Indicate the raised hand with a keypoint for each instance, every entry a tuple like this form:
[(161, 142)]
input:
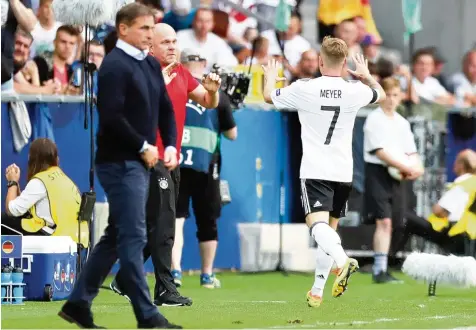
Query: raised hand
[(168, 74), (211, 82), (271, 70), (12, 173), (361, 67)]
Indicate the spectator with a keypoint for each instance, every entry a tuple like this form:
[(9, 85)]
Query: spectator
[(45, 30), (261, 56), (308, 66), (213, 48), (96, 53), (332, 12), (14, 13), (361, 29), (249, 35), (439, 67), (26, 79), (426, 86), (181, 15), (156, 6), (347, 31), (464, 83), (57, 68), (294, 43), (373, 51)]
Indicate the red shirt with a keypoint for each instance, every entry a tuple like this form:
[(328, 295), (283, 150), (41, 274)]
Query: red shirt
[(178, 89), (61, 76)]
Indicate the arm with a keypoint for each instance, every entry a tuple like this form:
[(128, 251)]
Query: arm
[(25, 16), (453, 202), (112, 88), (207, 99), (363, 73), (447, 99), (17, 204), (225, 118), (167, 126)]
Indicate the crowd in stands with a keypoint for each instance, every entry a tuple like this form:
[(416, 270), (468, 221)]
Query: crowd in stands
[(47, 52)]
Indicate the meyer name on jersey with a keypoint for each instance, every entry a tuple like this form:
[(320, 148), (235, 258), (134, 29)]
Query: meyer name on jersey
[(327, 107)]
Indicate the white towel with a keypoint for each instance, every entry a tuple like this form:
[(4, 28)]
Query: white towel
[(21, 124)]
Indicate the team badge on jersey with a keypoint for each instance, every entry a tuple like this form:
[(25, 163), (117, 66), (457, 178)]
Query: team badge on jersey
[(278, 92), (163, 183)]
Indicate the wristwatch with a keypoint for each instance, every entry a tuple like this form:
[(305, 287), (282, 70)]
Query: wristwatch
[(11, 184)]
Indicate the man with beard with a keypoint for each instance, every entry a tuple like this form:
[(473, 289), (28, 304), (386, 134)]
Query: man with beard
[(163, 189), (26, 76)]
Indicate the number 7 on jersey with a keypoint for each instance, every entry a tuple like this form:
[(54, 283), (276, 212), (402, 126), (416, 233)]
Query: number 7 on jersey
[(336, 110)]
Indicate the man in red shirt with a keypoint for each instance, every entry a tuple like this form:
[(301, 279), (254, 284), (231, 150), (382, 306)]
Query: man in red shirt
[(164, 184)]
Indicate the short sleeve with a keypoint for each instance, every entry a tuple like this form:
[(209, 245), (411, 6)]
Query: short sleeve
[(364, 94), (454, 201), (373, 136), (287, 97), (437, 89), (192, 83), (410, 145)]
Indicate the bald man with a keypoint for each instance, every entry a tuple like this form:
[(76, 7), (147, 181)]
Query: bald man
[(443, 226), (163, 189)]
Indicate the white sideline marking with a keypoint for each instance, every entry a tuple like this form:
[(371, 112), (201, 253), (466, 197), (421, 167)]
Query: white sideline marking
[(255, 301), (380, 320)]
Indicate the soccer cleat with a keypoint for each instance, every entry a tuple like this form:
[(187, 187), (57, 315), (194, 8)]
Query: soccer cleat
[(172, 299), (342, 280), (115, 288), (209, 281), (177, 275), (313, 301), (385, 277)]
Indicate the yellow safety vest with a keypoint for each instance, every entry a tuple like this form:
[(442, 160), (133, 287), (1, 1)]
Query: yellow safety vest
[(467, 223), (65, 200)]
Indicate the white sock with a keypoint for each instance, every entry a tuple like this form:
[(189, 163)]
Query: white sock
[(328, 239), (323, 268)]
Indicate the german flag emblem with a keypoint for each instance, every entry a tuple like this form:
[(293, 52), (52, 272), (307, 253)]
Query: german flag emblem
[(7, 247)]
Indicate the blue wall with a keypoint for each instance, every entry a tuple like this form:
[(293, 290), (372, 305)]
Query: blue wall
[(260, 134)]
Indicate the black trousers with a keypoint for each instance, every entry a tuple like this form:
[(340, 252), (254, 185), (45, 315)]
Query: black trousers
[(419, 226), (160, 219), (15, 224)]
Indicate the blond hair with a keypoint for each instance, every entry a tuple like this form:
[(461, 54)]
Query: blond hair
[(333, 51), (467, 158), (390, 83)]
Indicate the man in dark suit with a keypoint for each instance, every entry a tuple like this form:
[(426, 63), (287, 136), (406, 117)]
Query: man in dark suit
[(129, 115)]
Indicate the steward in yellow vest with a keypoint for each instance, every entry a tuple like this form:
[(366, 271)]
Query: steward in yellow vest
[(467, 222), (458, 203), (49, 204)]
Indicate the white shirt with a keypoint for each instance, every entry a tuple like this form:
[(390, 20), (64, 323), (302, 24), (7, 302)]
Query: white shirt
[(214, 49), (293, 48), (393, 134), (430, 89), (33, 194), (327, 107), (462, 85), (454, 200), (43, 39), (131, 50), (275, 3)]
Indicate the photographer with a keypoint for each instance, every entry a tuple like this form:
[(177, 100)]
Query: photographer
[(200, 173)]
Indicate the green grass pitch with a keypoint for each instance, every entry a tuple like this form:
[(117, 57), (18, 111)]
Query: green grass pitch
[(275, 301)]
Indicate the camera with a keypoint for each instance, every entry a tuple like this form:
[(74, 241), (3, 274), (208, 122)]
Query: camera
[(234, 84)]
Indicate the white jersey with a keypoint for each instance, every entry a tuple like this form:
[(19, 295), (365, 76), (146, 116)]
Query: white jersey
[(327, 107)]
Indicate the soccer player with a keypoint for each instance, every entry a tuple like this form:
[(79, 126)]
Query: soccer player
[(327, 107)]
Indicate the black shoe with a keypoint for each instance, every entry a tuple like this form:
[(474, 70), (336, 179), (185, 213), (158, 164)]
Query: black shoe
[(391, 279), (82, 317), (385, 277), (168, 298), (114, 287), (158, 322)]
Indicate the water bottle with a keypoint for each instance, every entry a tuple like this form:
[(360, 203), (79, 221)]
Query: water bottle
[(6, 280), (17, 279)]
